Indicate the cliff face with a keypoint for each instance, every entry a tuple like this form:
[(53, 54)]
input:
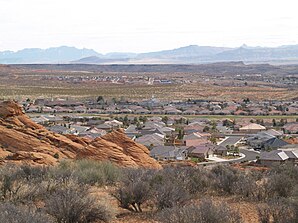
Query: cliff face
[(23, 141)]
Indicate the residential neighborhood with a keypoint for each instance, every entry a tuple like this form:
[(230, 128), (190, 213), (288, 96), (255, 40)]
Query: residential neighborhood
[(182, 130)]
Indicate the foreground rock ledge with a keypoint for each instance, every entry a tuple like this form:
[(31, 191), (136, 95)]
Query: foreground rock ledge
[(23, 141)]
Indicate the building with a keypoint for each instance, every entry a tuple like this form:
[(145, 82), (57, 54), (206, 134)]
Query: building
[(252, 128), (169, 153)]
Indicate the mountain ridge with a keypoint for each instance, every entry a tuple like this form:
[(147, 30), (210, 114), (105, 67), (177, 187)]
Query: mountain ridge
[(191, 54)]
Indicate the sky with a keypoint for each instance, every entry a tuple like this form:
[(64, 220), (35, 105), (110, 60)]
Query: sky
[(146, 25)]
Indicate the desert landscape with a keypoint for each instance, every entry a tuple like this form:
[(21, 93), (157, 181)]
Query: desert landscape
[(221, 81), (148, 111)]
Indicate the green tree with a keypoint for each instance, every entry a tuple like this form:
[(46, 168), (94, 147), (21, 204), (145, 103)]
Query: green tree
[(274, 122), (100, 99)]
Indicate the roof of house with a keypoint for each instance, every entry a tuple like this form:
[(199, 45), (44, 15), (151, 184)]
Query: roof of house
[(291, 127), (292, 154), (275, 155), (273, 132), (275, 143), (201, 149), (132, 129), (80, 128), (167, 151), (154, 139), (192, 136), (220, 148), (253, 126), (59, 129), (231, 140)]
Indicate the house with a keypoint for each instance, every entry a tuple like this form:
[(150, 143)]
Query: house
[(273, 157), (274, 143), (274, 132), (169, 153), (194, 127), (142, 111), (172, 111), (167, 130), (33, 109), (220, 150), (54, 119), (194, 139), (40, 120), (151, 140), (157, 111), (224, 129), (132, 131), (155, 119), (60, 129), (94, 111), (189, 112), (77, 129), (202, 151), (280, 156), (257, 141), (291, 128), (80, 109), (231, 141), (150, 130), (60, 109), (93, 133), (114, 123), (252, 128), (264, 140), (46, 109), (104, 126), (125, 111)]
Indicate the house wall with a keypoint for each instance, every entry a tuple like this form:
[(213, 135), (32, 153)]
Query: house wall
[(271, 162)]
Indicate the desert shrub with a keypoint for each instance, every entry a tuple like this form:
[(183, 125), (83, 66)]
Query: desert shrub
[(197, 181), (88, 172), (171, 194), (135, 189), (279, 185), (62, 173), (247, 186), (24, 183), (10, 213), (74, 204), (28, 182), (205, 212), (277, 211), (225, 176), (172, 187), (281, 181)]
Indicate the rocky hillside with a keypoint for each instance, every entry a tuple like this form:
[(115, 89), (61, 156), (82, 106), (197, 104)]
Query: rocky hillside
[(23, 141)]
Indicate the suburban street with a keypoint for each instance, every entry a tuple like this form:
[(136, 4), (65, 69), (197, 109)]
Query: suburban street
[(250, 155)]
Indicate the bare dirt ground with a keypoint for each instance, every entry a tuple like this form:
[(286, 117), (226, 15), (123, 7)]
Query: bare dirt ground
[(24, 82), (246, 209)]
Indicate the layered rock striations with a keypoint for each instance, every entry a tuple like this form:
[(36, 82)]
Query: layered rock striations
[(23, 141)]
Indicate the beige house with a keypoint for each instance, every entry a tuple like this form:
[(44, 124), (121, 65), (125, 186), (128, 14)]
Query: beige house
[(194, 139), (252, 128)]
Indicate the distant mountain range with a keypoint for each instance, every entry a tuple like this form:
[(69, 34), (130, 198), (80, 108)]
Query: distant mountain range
[(185, 55)]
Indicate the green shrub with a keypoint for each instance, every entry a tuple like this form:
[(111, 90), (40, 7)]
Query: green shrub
[(96, 172)]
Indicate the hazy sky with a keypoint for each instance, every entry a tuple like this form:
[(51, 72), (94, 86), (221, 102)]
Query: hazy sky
[(146, 25)]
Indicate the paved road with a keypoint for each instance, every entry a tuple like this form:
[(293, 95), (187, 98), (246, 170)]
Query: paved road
[(250, 155)]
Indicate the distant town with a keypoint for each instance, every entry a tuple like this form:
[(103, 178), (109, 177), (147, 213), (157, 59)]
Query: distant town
[(202, 131)]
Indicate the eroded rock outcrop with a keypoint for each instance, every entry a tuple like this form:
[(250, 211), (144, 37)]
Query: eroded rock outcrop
[(23, 141)]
